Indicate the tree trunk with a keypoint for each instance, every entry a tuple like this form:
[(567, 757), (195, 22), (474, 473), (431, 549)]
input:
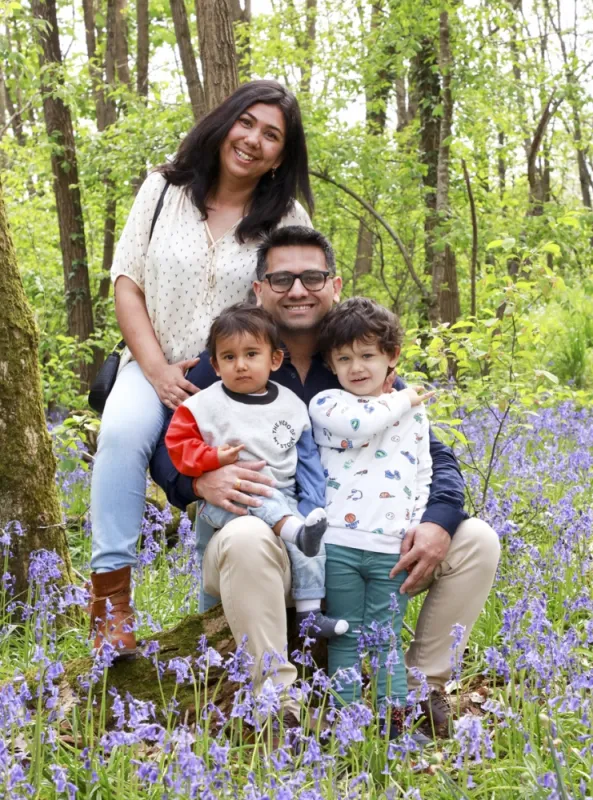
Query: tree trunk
[(309, 45), (121, 43), (243, 15), (535, 174), (142, 61), (106, 115), (444, 274), (501, 165), (13, 109), (28, 491), (376, 97), (58, 124), (217, 50), (95, 70), (188, 59), (142, 47), (3, 108), (426, 97), (406, 109)]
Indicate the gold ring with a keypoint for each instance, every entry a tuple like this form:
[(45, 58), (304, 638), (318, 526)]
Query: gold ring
[(237, 485)]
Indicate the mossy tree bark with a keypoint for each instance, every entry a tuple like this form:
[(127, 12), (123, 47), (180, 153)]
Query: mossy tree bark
[(139, 677), (28, 491)]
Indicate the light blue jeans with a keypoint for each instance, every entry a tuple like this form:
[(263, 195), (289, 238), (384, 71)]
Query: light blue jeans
[(308, 574), (130, 429)]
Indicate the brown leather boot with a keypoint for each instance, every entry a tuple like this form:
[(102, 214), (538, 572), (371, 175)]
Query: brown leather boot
[(114, 586)]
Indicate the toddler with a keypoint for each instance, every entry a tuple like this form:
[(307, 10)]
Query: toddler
[(374, 446), (248, 417)]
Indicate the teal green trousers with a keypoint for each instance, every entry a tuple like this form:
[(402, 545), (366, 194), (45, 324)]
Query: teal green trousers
[(359, 590)]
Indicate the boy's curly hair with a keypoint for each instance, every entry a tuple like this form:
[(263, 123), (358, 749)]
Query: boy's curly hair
[(243, 318), (360, 319)]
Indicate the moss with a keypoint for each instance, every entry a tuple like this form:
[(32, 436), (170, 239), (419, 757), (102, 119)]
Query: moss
[(139, 677), (27, 465)]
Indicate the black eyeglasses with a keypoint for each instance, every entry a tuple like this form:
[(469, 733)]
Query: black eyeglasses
[(312, 279)]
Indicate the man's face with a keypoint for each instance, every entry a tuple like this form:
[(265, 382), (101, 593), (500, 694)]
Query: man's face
[(298, 308)]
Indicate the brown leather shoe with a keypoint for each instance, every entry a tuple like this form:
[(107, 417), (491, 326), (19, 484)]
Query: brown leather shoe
[(437, 712), (113, 626)]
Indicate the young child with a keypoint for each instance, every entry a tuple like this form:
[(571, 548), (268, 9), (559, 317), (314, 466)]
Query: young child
[(374, 445), (248, 417)]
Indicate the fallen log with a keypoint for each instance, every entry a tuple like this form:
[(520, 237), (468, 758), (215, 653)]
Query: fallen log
[(139, 677)]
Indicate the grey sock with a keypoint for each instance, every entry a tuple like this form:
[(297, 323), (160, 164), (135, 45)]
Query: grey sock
[(328, 626), (308, 538)]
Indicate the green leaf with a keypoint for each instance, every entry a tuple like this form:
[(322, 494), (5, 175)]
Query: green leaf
[(573, 222), (542, 373), (553, 248)]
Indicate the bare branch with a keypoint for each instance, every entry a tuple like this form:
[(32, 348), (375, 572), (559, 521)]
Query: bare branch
[(19, 112), (474, 262), (382, 221)]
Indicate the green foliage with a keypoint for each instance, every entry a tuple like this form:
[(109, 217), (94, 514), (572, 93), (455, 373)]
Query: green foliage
[(358, 59), (501, 365)]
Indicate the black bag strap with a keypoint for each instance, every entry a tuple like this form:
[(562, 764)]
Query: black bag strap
[(159, 207)]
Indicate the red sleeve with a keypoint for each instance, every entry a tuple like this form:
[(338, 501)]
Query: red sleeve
[(187, 450)]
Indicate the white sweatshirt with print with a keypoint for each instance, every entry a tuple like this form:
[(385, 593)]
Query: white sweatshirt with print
[(376, 458)]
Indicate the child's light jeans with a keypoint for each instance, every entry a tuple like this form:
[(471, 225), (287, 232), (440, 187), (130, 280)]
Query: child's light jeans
[(308, 574)]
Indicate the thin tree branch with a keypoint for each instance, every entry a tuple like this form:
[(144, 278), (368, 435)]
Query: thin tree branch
[(474, 262), (18, 112), (382, 221)]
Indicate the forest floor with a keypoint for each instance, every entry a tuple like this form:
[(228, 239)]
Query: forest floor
[(522, 699)]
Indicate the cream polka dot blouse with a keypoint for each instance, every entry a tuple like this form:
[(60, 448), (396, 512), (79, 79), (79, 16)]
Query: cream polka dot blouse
[(186, 277)]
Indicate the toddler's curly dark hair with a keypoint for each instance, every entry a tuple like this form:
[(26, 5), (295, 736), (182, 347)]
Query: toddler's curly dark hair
[(360, 319)]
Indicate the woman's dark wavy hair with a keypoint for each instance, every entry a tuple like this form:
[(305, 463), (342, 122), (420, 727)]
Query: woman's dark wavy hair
[(196, 163)]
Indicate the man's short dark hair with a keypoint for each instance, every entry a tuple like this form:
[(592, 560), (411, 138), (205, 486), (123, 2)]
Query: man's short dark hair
[(243, 318), (293, 236), (360, 319)]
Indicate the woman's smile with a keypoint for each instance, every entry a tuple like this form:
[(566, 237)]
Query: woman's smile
[(243, 156)]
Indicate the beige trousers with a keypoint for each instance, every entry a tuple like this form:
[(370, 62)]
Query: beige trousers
[(247, 566)]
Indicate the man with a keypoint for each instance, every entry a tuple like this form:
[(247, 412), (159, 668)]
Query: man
[(246, 565)]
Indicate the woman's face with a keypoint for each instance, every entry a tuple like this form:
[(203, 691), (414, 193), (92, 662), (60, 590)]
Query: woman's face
[(255, 143)]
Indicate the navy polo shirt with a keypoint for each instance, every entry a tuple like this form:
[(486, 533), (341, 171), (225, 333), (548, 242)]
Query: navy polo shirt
[(445, 503)]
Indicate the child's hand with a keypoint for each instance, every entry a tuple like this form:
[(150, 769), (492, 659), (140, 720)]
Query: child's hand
[(227, 454), (418, 394)]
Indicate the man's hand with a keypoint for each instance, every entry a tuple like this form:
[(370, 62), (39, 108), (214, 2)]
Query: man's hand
[(227, 454), (227, 486), (424, 546)]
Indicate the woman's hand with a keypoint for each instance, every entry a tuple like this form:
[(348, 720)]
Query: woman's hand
[(227, 486), (170, 384)]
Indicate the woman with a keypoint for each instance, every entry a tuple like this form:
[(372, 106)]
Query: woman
[(235, 177)]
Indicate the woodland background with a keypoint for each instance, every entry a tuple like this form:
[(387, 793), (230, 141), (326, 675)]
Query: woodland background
[(450, 147), (451, 157)]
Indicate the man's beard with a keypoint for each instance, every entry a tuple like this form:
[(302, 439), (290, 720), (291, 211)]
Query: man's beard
[(296, 328)]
